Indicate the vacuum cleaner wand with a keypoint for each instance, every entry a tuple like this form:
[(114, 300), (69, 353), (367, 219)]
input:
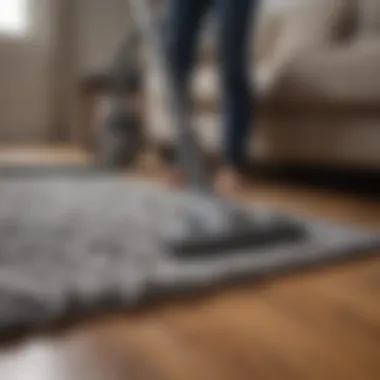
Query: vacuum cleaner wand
[(190, 153)]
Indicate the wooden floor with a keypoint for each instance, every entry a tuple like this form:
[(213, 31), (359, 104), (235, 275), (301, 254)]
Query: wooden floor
[(322, 324)]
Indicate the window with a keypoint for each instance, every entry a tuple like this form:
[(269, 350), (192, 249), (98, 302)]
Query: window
[(13, 18)]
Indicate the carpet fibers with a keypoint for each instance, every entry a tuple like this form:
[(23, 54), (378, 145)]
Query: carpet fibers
[(75, 245)]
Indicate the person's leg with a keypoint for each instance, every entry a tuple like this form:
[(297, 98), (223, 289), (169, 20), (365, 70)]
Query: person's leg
[(184, 23), (237, 102)]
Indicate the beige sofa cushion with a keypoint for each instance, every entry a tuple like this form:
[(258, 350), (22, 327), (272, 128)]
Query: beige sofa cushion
[(343, 75), (369, 17)]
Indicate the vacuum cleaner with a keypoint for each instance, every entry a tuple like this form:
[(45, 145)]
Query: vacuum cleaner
[(211, 225), (120, 139)]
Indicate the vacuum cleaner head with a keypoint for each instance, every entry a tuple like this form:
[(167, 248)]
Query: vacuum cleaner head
[(201, 234)]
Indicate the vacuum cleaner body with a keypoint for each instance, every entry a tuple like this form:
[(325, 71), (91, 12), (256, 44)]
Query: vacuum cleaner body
[(120, 136)]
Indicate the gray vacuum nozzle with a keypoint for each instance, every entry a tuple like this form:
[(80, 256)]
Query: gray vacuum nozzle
[(198, 236)]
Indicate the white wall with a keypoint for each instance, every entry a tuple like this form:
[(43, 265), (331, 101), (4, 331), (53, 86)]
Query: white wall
[(101, 27), (26, 68)]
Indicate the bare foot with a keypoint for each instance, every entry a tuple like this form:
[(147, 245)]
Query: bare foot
[(228, 181), (176, 179)]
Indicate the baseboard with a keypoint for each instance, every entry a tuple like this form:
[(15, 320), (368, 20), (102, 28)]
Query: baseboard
[(10, 137), (355, 180)]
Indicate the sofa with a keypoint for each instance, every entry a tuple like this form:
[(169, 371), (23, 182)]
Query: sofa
[(316, 72)]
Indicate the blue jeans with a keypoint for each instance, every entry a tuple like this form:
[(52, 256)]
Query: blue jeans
[(234, 16)]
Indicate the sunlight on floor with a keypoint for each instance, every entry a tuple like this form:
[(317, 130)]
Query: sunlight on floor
[(36, 155)]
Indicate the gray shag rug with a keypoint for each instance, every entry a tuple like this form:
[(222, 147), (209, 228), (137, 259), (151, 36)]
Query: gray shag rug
[(72, 246)]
